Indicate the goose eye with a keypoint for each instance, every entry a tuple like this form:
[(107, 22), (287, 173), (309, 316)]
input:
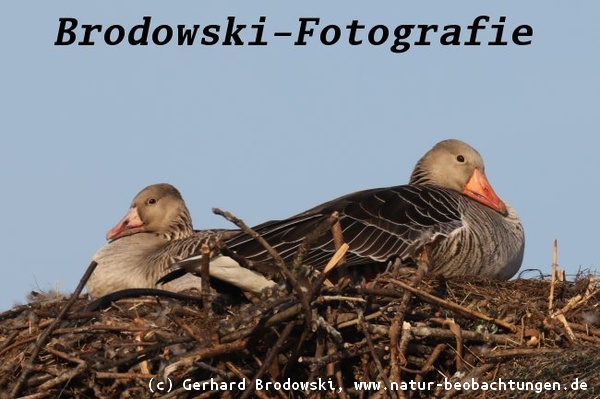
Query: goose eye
[(152, 201), (460, 158)]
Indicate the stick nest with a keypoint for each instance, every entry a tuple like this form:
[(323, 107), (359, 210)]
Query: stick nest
[(397, 329)]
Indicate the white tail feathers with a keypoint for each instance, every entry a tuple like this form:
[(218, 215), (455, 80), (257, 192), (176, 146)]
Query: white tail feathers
[(227, 269)]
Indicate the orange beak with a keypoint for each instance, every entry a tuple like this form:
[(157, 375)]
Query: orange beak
[(129, 225), (479, 188)]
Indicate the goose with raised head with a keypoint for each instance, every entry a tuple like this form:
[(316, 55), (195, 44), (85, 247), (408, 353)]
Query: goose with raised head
[(156, 232), (448, 203)]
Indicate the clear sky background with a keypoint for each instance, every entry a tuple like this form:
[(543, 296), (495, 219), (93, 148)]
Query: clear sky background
[(267, 132)]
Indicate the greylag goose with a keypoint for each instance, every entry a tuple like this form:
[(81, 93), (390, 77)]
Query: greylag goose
[(448, 203), (156, 232)]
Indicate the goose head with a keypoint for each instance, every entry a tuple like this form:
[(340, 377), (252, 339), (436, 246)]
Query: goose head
[(158, 209), (455, 165)]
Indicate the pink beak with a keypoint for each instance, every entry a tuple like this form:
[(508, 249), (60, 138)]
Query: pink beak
[(129, 225)]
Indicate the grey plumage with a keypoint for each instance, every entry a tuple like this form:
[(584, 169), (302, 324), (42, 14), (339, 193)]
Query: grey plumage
[(470, 238), (155, 233), (448, 202)]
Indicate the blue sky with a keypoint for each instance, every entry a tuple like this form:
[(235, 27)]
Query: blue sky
[(267, 132)]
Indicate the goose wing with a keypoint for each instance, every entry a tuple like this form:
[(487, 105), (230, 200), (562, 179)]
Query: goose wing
[(377, 224)]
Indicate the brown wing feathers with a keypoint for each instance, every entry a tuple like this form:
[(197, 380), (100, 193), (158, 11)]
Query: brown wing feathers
[(376, 224)]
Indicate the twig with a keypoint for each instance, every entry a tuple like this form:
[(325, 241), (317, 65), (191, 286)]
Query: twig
[(188, 329), (451, 305), (405, 338), (319, 351), (123, 376), (287, 331), (39, 395), (579, 300), (28, 364), (336, 298), (65, 377), (456, 330), (14, 312), (65, 356), (574, 303), (354, 322), (280, 316), (424, 332), (248, 230), (587, 338), (238, 373), (338, 239), (138, 338), (431, 359), (317, 363), (205, 280), (8, 341), (586, 329), (570, 335), (310, 239), (553, 278), (330, 330), (394, 334), (316, 289), (333, 368), (396, 352), (374, 356), (293, 358), (205, 353), (337, 257), (309, 320), (338, 242), (520, 352), (278, 260)]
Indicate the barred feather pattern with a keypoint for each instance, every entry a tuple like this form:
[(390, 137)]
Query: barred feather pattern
[(381, 224), (444, 205)]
